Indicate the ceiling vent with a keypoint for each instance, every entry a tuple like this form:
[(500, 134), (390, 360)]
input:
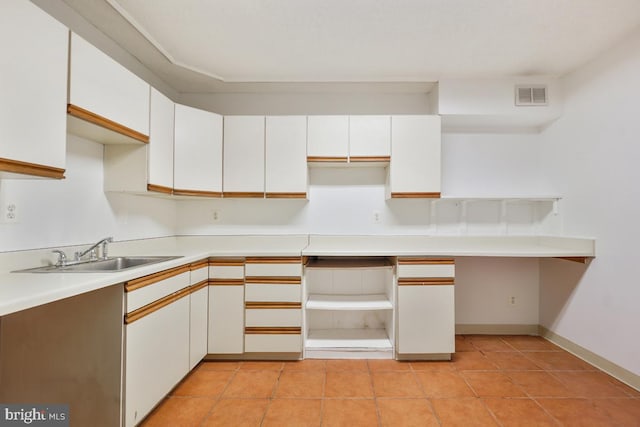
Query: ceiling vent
[(531, 95)]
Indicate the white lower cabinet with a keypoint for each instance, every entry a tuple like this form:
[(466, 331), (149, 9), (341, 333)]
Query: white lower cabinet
[(198, 312), (426, 314), (226, 306)]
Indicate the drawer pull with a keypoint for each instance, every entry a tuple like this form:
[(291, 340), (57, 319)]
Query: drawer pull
[(141, 282), (289, 280), (226, 282), (226, 262), (426, 261), (284, 330), (274, 260), (272, 305), (425, 281)]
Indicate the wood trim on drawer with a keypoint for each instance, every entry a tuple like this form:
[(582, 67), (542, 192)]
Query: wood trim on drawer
[(273, 280), (327, 159), (226, 262), (159, 189), (196, 193), (141, 282), (286, 195), (198, 286), (96, 119), (268, 330), (580, 259), (244, 194), (272, 305), (359, 159), (155, 306), (26, 168), (426, 261), (226, 282), (425, 281), (415, 195), (203, 263), (274, 260)]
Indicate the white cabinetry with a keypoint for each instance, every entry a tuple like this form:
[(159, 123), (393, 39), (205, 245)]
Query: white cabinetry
[(226, 306), (244, 156), (107, 103), (349, 308), (286, 157), (369, 138), (33, 88), (328, 139), (414, 170), (426, 316), (198, 152), (157, 339), (198, 312)]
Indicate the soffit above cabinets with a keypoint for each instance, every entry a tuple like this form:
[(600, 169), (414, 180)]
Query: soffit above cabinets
[(206, 46)]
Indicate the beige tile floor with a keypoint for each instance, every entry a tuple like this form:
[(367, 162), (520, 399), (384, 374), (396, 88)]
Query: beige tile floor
[(491, 381)]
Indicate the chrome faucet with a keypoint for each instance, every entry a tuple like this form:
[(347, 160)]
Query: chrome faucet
[(92, 251), (62, 258)]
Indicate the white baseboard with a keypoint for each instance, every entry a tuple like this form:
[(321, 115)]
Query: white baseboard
[(497, 329)]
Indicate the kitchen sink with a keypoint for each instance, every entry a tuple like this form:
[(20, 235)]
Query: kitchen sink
[(113, 264)]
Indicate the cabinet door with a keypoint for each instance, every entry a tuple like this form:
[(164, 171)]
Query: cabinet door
[(414, 170), (286, 157), (160, 148), (226, 319), (156, 358), (198, 152), (33, 88), (426, 320), (100, 88), (369, 138), (199, 301), (243, 156), (328, 138)]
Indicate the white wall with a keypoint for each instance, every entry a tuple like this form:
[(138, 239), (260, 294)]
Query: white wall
[(591, 157), (76, 210)]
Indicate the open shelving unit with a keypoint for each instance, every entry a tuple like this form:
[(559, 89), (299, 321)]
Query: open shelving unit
[(349, 307)]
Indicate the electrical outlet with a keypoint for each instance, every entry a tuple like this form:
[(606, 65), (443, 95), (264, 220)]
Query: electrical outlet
[(376, 217), (512, 300), (215, 215), (9, 213)]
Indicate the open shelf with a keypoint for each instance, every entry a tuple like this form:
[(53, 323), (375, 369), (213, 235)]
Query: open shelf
[(348, 302), (349, 262), (348, 343)]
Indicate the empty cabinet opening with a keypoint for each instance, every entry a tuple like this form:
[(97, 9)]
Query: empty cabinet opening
[(349, 307)]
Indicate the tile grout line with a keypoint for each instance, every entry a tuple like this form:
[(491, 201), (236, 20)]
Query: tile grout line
[(424, 393)]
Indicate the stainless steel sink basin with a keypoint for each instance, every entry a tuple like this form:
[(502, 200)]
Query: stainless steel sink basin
[(102, 266)]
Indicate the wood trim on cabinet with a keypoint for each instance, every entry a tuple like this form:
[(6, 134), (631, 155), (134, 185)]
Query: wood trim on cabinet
[(196, 193), (203, 263), (425, 281), (274, 280), (362, 159), (244, 194), (26, 168), (226, 262), (226, 282), (198, 286), (415, 195), (141, 282), (274, 260), (426, 261), (327, 159), (159, 189), (580, 259), (272, 305), (268, 330), (96, 119), (155, 306), (286, 195)]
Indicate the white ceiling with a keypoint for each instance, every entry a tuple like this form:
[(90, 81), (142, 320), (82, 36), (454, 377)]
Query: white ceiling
[(279, 41)]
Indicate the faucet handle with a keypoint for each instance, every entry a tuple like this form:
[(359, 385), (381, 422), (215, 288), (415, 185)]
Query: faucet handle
[(62, 258)]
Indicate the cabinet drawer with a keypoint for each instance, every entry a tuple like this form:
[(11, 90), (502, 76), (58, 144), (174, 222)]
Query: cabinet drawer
[(272, 292), (426, 267), (199, 275), (275, 317), (273, 340), (226, 268), (275, 267), (145, 295)]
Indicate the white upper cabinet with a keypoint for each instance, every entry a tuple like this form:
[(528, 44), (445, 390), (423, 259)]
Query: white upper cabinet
[(33, 92), (286, 157), (369, 138), (161, 143), (328, 138), (107, 103), (198, 152), (414, 170), (244, 155)]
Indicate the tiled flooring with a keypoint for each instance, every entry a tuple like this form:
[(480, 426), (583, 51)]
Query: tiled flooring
[(492, 381)]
